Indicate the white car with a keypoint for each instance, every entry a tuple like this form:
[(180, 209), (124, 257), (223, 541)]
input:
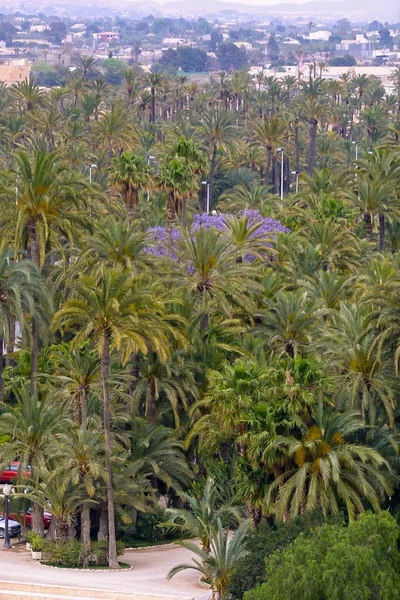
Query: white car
[(14, 528)]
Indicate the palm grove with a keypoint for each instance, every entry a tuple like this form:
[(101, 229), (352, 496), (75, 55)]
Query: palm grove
[(161, 350)]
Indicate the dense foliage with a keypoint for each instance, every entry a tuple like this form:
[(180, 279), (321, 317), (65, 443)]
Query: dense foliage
[(334, 563), (150, 349)]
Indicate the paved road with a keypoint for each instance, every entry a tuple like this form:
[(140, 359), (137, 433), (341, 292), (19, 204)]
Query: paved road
[(150, 567)]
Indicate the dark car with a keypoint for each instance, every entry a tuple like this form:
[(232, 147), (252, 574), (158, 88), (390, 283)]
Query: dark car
[(14, 528)]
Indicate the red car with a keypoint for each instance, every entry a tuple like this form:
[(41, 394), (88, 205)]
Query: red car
[(11, 473), (26, 519)]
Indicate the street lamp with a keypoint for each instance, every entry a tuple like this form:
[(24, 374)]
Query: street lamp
[(6, 492), (296, 174), (207, 183), (91, 167), (281, 150), (356, 145)]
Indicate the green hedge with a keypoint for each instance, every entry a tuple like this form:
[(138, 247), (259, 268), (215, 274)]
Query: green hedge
[(76, 554)]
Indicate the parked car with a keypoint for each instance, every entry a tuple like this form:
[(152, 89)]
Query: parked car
[(14, 528), (26, 518), (12, 471)]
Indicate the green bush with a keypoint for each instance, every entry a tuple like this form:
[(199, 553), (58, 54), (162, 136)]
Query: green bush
[(262, 542), (36, 541), (358, 562), (75, 554)]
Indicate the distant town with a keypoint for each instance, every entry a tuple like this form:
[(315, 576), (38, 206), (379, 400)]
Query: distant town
[(49, 48)]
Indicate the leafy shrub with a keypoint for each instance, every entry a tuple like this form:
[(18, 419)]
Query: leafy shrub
[(262, 542), (148, 526), (36, 541), (75, 554), (360, 562)]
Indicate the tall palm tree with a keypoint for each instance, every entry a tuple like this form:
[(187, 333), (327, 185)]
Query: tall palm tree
[(49, 195), (130, 173), (179, 180), (218, 132), (18, 284), (106, 310), (271, 134)]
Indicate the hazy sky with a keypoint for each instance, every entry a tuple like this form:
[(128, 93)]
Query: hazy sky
[(257, 2)]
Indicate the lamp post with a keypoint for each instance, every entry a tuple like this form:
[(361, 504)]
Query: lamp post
[(207, 183), (91, 167), (6, 492), (281, 150), (296, 174), (356, 145)]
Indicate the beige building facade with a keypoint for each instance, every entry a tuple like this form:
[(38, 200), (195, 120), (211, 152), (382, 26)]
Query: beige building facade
[(14, 71)]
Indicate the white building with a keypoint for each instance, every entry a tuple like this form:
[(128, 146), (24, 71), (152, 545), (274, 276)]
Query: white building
[(322, 35)]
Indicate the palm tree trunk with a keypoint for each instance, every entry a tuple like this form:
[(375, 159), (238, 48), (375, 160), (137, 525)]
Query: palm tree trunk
[(212, 170), (11, 343), (37, 519), (313, 146), (105, 370), (275, 174), (134, 375), (85, 524), (84, 400), (151, 415), (267, 166), (153, 105), (297, 145), (103, 523), (170, 213), (381, 233), (368, 226), (62, 530), (35, 257)]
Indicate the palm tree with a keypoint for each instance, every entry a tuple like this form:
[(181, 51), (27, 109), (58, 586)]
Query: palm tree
[(210, 271), (29, 94), (202, 515), (219, 132), (153, 81), (289, 322), (365, 381), (104, 309), (130, 173), (171, 381), (178, 179), (65, 498), (217, 566), (76, 373), (85, 63), (328, 469), (271, 134), (18, 284), (81, 454), (29, 427), (48, 193), (156, 454)]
